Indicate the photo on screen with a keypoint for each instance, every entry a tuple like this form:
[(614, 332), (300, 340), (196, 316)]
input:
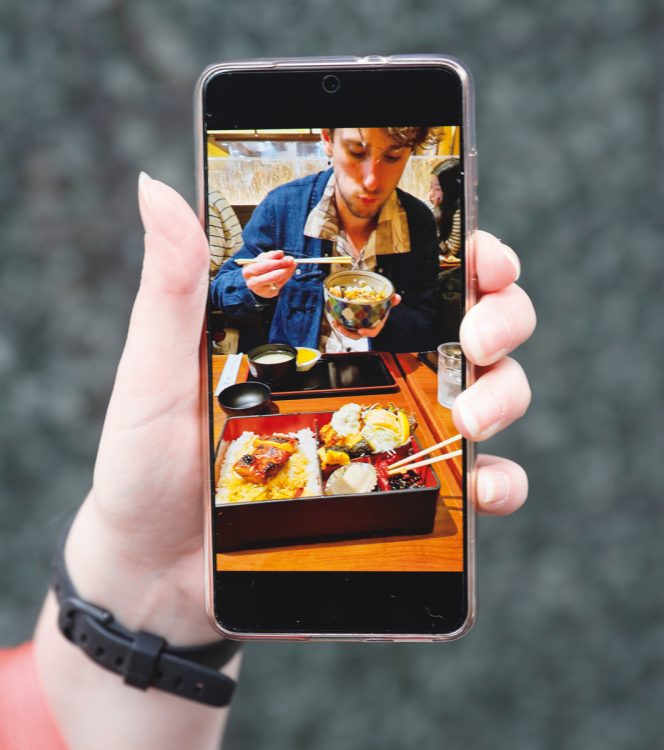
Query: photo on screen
[(336, 263)]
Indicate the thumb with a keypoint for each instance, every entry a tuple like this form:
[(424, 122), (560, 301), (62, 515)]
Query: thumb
[(176, 250), (159, 365)]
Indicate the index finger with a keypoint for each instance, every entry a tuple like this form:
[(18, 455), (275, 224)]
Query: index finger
[(265, 265)]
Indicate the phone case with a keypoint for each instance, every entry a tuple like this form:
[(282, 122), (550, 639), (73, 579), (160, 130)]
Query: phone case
[(470, 228)]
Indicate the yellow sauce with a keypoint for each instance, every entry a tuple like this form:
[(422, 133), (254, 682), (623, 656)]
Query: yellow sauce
[(304, 356)]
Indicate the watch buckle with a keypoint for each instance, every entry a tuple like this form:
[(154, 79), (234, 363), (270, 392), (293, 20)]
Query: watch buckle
[(70, 606)]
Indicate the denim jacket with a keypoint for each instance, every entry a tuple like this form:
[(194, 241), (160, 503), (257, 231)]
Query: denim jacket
[(294, 317)]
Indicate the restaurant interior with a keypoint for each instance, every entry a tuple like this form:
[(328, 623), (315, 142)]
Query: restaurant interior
[(416, 528)]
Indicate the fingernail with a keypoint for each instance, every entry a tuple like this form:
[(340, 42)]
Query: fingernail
[(512, 257), (487, 338), (144, 190), (493, 487), (480, 412)]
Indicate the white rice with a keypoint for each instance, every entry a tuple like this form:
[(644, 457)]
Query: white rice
[(230, 481)]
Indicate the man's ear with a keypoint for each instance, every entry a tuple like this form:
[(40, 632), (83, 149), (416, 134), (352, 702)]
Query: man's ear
[(326, 138)]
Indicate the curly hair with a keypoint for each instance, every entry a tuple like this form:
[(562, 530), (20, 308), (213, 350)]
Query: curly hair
[(409, 137)]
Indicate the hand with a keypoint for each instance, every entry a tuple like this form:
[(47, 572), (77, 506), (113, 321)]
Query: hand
[(269, 273), (367, 332), (136, 546), (502, 319)]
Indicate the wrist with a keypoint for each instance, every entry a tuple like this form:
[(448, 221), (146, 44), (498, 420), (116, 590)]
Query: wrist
[(151, 718), (113, 573)]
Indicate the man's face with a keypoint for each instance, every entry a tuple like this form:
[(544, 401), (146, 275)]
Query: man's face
[(367, 167)]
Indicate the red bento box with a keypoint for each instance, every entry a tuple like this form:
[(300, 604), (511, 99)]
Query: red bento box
[(271, 523)]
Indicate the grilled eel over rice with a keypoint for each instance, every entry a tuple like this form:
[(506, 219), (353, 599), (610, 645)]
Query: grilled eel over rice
[(269, 456)]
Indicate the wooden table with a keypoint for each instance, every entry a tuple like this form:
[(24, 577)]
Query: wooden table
[(442, 550), (423, 384)]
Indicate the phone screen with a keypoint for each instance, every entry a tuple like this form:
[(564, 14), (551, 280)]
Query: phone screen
[(358, 176)]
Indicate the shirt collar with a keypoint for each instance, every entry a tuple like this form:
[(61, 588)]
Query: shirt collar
[(390, 236)]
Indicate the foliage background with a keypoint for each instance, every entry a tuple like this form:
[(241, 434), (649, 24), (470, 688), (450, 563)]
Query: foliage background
[(569, 646)]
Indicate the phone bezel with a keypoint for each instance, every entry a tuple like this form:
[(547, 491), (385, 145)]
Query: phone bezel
[(365, 632)]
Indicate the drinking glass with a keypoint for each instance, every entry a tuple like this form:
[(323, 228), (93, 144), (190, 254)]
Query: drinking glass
[(450, 363)]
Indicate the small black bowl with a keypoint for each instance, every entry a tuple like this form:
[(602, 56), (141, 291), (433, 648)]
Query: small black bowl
[(272, 372), (243, 399)]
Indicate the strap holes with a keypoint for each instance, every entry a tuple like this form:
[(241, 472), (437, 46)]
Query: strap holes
[(83, 638), (118, 661), (99, 651)]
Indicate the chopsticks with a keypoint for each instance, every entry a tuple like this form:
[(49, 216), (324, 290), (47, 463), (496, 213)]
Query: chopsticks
[(299, 261), (398, 467)]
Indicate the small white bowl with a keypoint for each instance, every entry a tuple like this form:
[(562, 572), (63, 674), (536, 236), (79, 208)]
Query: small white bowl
[(309, 363)]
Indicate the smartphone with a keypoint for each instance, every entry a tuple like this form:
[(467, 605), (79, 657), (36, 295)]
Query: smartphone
[(363, 171)]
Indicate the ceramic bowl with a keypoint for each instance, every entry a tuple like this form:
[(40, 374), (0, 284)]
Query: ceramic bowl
[(280, 369), (354, 315), (309, 357)]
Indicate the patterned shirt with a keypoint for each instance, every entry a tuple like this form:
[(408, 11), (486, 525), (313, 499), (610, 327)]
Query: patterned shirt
[(390, 236), (224, 230), (453, 243), (225, 236), (451, 246)]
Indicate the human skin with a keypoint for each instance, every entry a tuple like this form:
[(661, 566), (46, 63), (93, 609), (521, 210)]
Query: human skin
[(136, 545), (435, 192), (367, 165)]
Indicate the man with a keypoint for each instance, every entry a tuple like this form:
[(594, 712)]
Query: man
[(353, 209)]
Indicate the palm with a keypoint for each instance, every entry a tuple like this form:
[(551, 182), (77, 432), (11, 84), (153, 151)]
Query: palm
[(148, 475)]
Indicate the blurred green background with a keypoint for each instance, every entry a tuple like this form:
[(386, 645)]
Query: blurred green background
[(568, 649)]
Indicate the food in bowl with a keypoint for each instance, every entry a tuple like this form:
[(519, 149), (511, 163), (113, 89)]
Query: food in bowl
[(306, 358), (360, 292), (269, 467), (273, 358), (272, 363), (357, 299)]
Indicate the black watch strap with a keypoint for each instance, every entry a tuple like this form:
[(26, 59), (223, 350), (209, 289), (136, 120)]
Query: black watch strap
[(142, 659)]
